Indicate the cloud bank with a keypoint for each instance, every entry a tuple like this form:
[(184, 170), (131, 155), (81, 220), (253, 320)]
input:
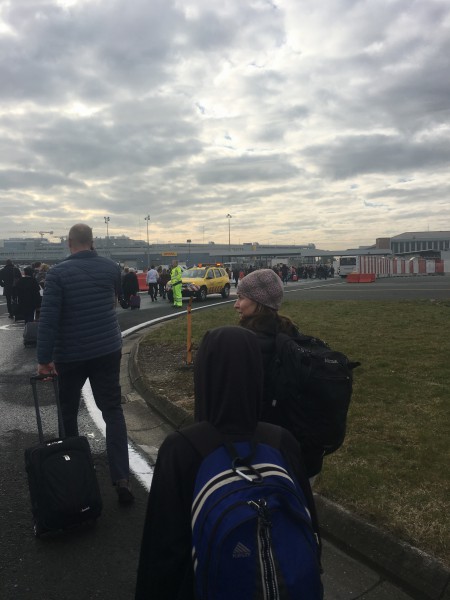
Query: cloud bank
[(306, 121)]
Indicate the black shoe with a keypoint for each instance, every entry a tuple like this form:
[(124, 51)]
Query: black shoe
[(124, 493)]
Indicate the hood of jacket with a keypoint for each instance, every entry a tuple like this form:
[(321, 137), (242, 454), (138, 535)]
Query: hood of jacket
[(228, 380)]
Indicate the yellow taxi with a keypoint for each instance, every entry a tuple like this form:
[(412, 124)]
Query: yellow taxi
[(201, 281)]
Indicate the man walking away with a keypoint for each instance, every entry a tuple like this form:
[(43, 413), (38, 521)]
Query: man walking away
[(79, 338), (152, 282), (8, 277), (175, 280), (28, 295), (163, 279)]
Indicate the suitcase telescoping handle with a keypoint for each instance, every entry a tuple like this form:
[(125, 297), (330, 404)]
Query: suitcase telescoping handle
[(54, 379)]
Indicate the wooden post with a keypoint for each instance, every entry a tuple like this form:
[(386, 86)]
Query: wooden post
[(189, 333)]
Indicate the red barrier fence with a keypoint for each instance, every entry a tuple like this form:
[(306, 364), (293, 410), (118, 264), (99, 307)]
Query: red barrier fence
[(142, 277), (381, 266)]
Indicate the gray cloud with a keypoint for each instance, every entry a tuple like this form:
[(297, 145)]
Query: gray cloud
[(245, 169), (355, 155)]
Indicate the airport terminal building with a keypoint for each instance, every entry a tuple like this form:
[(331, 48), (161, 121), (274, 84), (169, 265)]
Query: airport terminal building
[(140, 255)]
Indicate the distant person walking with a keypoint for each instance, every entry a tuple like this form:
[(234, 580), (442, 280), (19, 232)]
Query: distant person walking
[(79, 338), (164, 278), (41, 274), (130, 285), (175, 280), (236, 276), (152, 282), (28, 295), (8, 277)]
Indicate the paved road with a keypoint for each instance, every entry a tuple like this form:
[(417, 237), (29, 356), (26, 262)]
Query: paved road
[(100, 564)]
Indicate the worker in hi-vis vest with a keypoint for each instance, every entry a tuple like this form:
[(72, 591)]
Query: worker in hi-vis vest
[(175, 280)]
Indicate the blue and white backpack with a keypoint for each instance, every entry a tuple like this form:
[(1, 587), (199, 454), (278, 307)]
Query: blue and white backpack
[(253, 536)]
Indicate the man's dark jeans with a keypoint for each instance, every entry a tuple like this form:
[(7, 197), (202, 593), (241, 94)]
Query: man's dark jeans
[(103, 373), (153, 290), (9, 298)]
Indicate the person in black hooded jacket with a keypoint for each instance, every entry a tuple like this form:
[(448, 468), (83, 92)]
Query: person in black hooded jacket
[(9, 275), (28, 295), (233, 406)]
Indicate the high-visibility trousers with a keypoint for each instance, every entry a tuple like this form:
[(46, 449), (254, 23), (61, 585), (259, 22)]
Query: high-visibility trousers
[(177, 297)]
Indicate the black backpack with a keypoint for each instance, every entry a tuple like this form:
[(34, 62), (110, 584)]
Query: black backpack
[(311, 389)]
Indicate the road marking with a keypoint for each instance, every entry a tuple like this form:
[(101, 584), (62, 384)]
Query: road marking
[(138, 465)]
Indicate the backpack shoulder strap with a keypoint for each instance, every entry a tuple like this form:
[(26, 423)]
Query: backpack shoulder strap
[(288, 347), (203, 436), (267, 433)]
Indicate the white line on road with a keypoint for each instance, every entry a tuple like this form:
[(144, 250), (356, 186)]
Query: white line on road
[(138, 465)]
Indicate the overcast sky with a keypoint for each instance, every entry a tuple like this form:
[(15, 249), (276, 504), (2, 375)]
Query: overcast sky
[(305, 120)]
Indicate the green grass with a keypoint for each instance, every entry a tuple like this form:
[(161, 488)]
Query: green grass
[(394, 467)]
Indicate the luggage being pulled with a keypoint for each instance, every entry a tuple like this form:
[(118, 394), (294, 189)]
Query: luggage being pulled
[(124, 303), (62, 481), (135, 302), (16, 312), (30, 333)]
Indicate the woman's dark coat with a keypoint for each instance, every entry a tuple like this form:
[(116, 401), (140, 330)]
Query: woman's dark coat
[(130, 285), (28, 295), (266, 327)]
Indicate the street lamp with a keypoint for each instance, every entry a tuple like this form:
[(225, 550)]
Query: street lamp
[(147, 218), (229, 235), (189, 251), (107, 219)]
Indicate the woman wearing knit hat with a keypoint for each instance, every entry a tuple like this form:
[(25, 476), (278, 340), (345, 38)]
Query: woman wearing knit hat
[(260, 294), (259, 297)]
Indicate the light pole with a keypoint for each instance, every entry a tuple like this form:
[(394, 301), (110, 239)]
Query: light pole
[(107, 219), (147, 218), (189, 251), (229, 235)]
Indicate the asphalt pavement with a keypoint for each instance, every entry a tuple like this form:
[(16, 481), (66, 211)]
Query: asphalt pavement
[(360, 561)]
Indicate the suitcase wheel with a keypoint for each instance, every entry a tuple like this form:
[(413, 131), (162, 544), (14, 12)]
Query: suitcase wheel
[(38, 529)]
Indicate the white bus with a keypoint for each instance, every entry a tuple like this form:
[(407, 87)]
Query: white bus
[(346, 265)]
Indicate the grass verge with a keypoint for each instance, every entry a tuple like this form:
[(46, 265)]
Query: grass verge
[(394, 467)]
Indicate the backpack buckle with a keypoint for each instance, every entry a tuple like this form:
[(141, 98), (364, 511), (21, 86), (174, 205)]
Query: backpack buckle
[(252, 476)]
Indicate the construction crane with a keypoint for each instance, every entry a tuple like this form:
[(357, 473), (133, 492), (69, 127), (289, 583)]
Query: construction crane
[(41, 233)]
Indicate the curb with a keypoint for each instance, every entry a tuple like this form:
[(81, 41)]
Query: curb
[(422, 575), (425, 577), (176, 415)]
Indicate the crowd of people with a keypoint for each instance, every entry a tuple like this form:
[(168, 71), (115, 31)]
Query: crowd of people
[(23, 289), (287, 272)]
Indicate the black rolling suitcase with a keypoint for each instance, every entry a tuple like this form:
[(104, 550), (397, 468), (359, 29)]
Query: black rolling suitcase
[(61, 477), (30, 333)]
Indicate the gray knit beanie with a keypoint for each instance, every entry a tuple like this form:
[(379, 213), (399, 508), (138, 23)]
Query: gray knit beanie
[(264, 287)]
